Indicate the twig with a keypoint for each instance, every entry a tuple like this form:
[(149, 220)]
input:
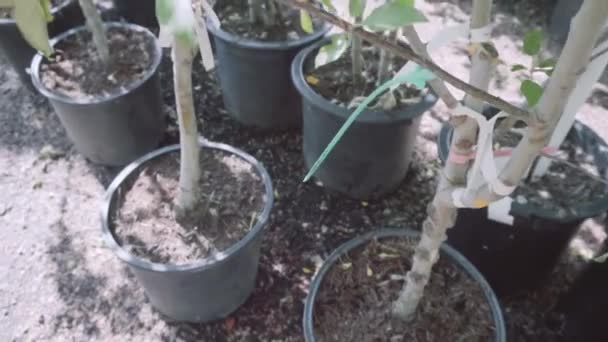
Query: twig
[(407, 53)]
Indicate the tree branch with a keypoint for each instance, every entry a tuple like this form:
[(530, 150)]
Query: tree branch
[(407, 53)]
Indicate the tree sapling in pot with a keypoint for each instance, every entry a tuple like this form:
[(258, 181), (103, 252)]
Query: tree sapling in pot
[(103, 83), (333, 78), (188, 219), (255, 42)]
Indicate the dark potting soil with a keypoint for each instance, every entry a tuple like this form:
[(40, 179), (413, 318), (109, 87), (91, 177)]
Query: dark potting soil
[(75, 70), (234, 18), (6, 13), (572, 179), (233, 197), (355, 299), (334, 81)]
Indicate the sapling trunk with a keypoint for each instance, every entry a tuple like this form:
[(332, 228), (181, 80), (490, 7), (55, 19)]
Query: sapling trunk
[(441, 214), (95, 25), (356, 56), (188, 197)]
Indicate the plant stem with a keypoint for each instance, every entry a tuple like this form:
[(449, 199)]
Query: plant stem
[(356, 56), (188, 197), (409, 54), (442, 215), (385, 57), (95, 25), (255, 11)]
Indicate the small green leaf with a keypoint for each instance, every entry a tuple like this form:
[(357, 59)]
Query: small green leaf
[(547, 63), (306, 22), (412, 77), (532, 41), (356, 8), (332, 51), (329, 6), (393, 15), (532, 91), (406, 2), (164, 11), (46, 6), (601, 258), (31, 20), (419, 77), (518, 67)]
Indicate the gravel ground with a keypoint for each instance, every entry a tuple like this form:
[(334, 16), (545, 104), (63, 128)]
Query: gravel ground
[(59, 283)]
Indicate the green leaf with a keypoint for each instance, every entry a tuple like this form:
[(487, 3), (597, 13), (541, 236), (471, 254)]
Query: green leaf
[(406, 2), (329, 5), (547, 63), (356, 8), (518, 67), (601, 258), (393, 15), (31, 20), (332, 51), (46, 6), (532, 91), (306, 22), (409, 78), (419, 77), (164, 11), (7, 3), (532, 41)]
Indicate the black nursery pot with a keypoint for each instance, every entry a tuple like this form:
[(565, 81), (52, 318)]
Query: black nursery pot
[(373, 157), (19, 53), (117, 128), (140, 12), (204, 290), (584, 306), (255, 78), (447, 252), (520, 257)]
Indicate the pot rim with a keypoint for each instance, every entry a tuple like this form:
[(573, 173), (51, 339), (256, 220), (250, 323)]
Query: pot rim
[(201, 264), (446, 250), (368, 116), (54, 10), (56, 96), (253, 44), (579, 212)]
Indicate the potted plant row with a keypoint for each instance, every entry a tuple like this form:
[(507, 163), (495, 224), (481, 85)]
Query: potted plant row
[(357, 294)]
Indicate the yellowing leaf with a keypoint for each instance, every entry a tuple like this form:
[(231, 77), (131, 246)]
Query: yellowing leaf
[(346, 265), (31, 20), (369, 271), (312, 80), (307, 270), (479, 203)]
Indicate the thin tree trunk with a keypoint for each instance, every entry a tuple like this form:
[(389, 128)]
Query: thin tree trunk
[(356, 56), (95, 25), (442, 214), (188, 197), (385, 59)]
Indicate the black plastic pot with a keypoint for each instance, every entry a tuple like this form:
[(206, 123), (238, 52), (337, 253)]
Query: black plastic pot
[(584, 306), (373, 156), (140, 12), (446, 252), (117, 128), (255, 78), (520, 257), (19, 53), (204, 290)]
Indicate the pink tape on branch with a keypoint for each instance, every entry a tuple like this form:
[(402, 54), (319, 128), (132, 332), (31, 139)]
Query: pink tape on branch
[(507, 151), (458, 158)]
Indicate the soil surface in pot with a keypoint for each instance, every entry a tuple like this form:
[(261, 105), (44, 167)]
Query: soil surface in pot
[(233, 196), (6, 13), (572, 179), (334, 81), (76, 71), (356, 296), (234, 17)]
